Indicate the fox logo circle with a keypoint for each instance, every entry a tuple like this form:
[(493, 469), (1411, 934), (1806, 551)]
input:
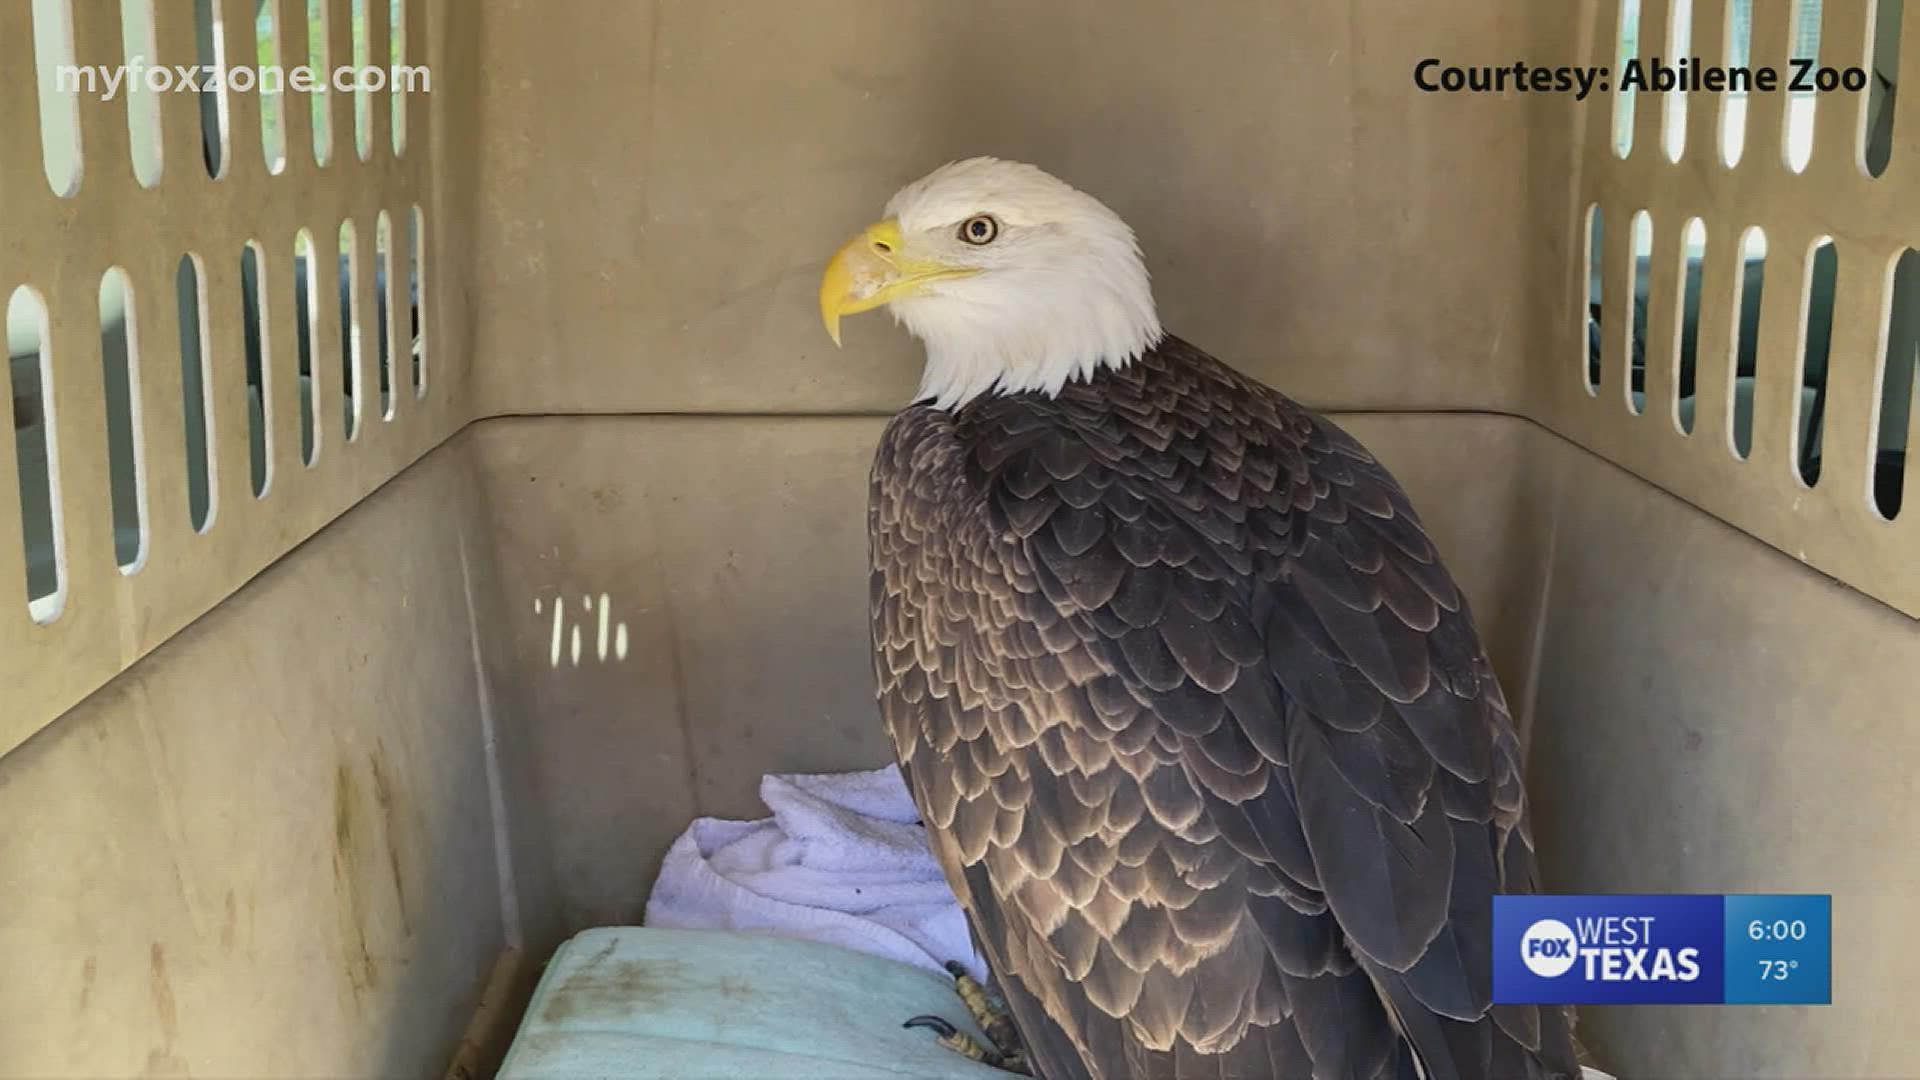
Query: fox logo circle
[(1547, 948)]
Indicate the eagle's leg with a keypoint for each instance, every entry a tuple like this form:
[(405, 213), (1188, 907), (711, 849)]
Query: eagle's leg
[(992, 1017), (1005, 1052)]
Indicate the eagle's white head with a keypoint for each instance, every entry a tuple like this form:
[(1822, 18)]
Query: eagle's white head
[(1013, 280)]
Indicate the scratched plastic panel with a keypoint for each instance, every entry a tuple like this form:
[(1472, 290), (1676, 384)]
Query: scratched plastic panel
[(236, 382)]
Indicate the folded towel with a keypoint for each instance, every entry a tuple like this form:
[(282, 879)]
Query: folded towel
[(843, 860)]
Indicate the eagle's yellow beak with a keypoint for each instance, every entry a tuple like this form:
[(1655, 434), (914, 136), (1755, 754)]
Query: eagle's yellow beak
[(871, 270)]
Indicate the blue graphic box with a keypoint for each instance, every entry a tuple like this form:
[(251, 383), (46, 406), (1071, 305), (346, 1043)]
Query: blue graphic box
[(1674, 950)]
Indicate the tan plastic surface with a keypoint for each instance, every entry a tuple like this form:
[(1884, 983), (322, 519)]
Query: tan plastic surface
[(270, 848), (1710, 717), (280, 800), (662, 181)]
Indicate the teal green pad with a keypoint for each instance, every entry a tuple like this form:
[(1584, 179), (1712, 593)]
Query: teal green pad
[(654, 1004)]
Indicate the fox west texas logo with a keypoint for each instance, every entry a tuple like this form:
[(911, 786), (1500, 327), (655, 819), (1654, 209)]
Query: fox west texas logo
[(1606, 948), (1547, 948)]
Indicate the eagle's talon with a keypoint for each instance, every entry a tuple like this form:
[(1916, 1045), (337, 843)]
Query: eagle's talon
[(956, 1040), (934, 1024)]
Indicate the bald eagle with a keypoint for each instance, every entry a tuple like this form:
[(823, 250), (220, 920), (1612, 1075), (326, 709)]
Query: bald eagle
[(1200, 726)]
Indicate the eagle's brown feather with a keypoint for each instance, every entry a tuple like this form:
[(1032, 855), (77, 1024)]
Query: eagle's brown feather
[(1203, 732)]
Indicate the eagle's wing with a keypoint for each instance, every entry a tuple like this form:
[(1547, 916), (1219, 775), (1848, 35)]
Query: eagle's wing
[(1204, 735)]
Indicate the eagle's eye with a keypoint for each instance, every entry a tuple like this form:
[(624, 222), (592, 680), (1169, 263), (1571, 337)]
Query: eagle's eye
[(979, 229)]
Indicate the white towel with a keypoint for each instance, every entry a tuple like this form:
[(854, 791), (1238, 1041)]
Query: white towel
[(843, 860)]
